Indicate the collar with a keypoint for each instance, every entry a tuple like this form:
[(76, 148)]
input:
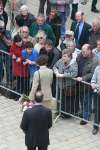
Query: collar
[(43, 67), (37, 104)]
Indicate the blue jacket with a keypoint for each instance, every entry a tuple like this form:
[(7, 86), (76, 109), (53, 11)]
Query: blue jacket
[(33, 57)]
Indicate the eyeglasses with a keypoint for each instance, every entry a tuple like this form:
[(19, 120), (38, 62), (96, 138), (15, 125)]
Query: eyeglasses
[(40, 37)]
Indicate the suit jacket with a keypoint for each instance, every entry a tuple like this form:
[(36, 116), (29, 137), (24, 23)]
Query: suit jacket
[(84, 37), (36, 123)]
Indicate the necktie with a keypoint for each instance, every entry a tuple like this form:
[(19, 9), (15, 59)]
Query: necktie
[(77, 31)]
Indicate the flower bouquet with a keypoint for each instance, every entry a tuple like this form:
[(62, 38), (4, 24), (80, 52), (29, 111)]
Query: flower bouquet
[(25, 102)]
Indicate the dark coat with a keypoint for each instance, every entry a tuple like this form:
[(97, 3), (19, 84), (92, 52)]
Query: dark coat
[(21, 21), (36, 123), (46, 28), (84, 37), (94, 36), (88, 67), (55, 23)]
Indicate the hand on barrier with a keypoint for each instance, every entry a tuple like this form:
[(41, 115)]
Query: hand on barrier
[(59, 75), (78, 79)]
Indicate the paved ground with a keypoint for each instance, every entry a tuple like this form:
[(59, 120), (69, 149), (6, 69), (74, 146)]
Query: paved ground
[(64, 135)]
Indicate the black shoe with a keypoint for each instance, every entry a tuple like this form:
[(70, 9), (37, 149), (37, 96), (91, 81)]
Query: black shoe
[(95, 10), (64, 116), (95, 131), (82, 122)]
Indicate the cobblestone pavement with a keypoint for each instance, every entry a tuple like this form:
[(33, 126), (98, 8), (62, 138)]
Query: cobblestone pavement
[(64, 135)]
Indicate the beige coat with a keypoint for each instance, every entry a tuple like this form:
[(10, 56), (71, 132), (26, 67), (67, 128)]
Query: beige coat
[(46, 77)]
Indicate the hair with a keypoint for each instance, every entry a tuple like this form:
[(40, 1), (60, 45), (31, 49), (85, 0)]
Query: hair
[(41, 15), (41, 33), (49, 42), (67, 51), (24, 27), (42, 60), (24, 7), (88, 47), (39, 96), (17, 38), (29, 45)]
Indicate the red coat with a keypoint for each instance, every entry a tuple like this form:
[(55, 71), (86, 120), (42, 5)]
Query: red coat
[(17, 67)]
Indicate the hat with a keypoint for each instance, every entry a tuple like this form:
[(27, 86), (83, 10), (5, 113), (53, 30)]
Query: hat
[(69, 32)]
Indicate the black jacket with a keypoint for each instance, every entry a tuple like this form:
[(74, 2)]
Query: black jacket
[(36, 123), (21, 21)]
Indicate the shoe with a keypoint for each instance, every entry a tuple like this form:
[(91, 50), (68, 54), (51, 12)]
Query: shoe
[(82, 122), (95, 10), (64, 116), (95, 131)]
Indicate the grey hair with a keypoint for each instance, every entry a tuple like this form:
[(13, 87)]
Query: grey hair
[(67, 51)]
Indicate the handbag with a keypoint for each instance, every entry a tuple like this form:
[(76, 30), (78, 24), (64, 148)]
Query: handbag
[(39, 85)]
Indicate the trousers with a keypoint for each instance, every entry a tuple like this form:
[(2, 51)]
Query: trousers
[(41, 7), (39, 148), (94, 2)]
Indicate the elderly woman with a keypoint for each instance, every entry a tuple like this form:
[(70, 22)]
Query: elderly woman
[(44, 77), (25, 17), (40, 41), (65, 69)]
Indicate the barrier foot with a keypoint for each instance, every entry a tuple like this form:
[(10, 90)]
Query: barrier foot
[(55, 120)]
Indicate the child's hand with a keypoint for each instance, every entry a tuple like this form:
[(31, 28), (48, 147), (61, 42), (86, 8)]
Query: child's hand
[(28, 61)]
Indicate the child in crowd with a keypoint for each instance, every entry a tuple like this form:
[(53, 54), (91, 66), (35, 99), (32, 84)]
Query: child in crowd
[(30, 56)]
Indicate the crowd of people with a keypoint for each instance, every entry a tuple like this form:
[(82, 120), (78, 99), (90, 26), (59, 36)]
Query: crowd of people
[(41, 49)]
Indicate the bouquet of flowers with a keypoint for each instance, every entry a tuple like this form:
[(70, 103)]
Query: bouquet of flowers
[(25, 102)]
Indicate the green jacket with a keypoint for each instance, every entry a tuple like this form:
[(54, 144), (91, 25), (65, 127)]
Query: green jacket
[(46, 28)]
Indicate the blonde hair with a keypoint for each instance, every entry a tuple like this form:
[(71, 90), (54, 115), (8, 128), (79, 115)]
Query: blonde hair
[(41, 33)]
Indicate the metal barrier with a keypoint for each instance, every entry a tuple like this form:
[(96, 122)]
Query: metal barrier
[(73, 98), (18, 84), (77, 99)]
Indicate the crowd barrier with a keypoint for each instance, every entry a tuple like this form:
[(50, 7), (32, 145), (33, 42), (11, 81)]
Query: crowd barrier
[(8, 80), (77, 99), (74, 98)]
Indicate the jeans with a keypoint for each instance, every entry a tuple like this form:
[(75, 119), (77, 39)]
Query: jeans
[(63, 18)]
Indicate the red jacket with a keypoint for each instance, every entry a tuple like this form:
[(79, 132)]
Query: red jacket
[(17, 67)]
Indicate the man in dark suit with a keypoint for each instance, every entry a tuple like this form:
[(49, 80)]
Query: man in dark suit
[(93, 6), (81, 29), (36, 123)]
